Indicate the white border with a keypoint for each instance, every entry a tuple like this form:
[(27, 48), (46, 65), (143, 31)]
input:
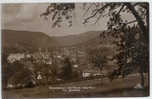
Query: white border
[(46, 1), (80, 1), (0, 56)]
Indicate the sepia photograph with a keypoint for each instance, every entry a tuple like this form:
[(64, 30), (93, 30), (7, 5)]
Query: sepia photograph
[(75, 50)]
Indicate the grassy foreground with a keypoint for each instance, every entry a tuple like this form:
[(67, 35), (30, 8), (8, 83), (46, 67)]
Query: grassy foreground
[(87, 88)]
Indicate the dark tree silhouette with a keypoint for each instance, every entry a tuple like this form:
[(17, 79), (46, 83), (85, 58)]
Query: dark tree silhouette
[(19, 75), (67, 69)]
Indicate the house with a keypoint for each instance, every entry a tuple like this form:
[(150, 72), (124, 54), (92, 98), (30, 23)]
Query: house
[(15, 57), (39, 76), (10, 86), (75, 66), (86, 74), (90, 71)]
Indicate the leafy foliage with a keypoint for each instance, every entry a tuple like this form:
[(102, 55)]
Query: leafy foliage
[(59, 13)]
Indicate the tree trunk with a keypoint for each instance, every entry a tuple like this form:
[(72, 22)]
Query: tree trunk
[(142, 79), (144, 34), (139, 19)]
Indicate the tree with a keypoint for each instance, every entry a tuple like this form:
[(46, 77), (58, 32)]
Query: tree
[(97, 56), (20, 75), (67, 72), (115, 25)]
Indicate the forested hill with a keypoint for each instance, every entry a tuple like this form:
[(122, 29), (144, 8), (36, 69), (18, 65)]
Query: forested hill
[(34, 40)]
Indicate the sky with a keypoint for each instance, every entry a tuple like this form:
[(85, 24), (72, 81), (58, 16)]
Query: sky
[(27, 17)]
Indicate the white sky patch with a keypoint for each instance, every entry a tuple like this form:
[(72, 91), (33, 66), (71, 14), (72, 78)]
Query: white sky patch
[(27, 17)]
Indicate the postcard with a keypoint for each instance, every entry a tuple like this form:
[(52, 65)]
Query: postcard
[(75, 50)]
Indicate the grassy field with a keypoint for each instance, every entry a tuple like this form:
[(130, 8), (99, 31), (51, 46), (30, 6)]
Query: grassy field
[(88, 88)]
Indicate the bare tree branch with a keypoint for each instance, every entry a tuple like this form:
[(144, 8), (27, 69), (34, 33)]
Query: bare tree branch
[(97, 11), (131, 22), (141, 5), (109, 12), (121, 9), (87, 10), (47, 11), (98, 18)]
